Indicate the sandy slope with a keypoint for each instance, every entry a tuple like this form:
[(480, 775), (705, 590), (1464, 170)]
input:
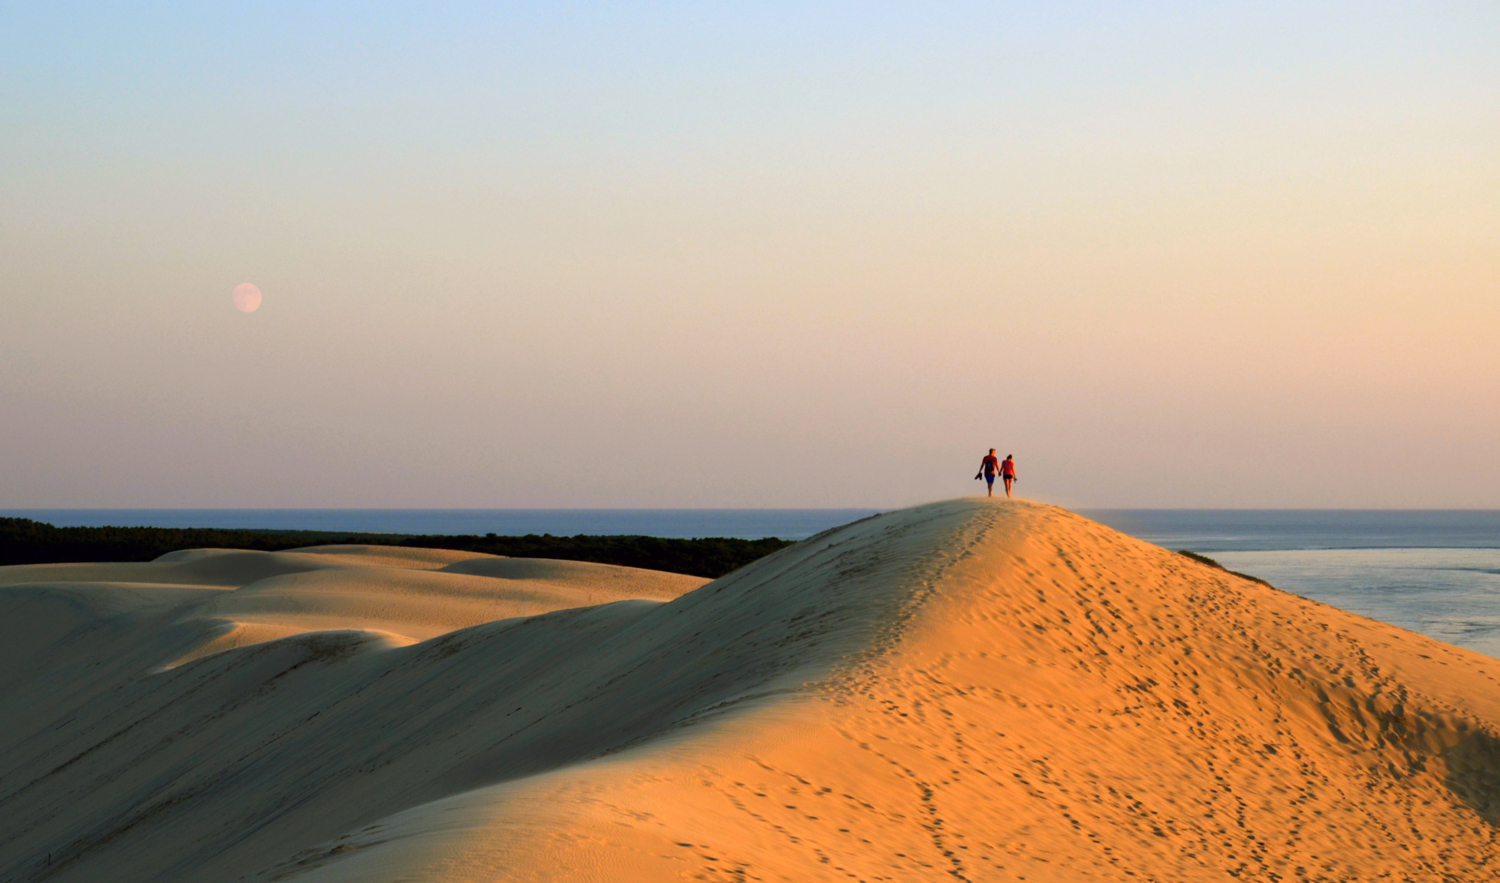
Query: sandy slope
[(968, 690)]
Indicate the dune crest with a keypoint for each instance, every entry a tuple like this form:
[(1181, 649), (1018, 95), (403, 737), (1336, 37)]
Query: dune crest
[(968, 690)]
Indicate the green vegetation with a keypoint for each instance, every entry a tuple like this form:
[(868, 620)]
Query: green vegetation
[(1204, 559), (710, 557), (23, 541)]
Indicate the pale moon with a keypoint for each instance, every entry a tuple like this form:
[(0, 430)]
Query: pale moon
[(246, 297)]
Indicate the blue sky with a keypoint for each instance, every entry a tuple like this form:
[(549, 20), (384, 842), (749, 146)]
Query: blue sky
[(773, 255)]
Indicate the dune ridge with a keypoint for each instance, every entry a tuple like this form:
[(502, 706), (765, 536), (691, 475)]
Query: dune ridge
[(968, 690)]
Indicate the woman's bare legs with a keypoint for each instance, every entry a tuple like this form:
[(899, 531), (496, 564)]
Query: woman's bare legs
[(1008, 480)]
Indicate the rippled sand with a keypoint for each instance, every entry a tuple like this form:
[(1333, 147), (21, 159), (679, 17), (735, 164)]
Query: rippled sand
[(981, 690)]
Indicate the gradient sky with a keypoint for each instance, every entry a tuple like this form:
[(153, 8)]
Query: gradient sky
[(812, 254)]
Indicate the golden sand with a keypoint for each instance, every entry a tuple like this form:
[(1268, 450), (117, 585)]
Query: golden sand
[(970, 690)]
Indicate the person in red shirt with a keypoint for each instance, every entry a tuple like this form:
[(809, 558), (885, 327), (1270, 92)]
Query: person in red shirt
[(1007, 472), (987, 468)]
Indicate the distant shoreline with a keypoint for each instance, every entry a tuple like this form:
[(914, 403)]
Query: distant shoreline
[(749, 524), (28, 541), (1241, 530)]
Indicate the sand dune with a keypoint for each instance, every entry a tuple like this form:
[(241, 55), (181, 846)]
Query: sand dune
[(968, 690)]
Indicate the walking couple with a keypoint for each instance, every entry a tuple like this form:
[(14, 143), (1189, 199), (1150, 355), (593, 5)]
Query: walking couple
[(989, 466)]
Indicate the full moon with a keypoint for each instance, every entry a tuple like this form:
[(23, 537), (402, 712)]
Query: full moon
[(246, 297)]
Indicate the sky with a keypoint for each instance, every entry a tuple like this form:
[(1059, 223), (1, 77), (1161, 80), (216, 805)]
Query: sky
[(1231, 255)]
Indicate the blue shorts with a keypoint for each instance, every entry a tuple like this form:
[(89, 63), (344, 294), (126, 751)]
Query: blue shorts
[(989, 478)]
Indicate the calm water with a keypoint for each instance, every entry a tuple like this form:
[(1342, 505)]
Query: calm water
[(789, 524), (1449, 594), (1240, 530), (1434, 572)]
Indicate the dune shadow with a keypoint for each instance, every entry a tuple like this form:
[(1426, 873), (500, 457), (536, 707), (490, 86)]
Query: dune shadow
[(1474, 773)]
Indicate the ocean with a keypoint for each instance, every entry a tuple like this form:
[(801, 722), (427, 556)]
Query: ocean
[(1433, 572)]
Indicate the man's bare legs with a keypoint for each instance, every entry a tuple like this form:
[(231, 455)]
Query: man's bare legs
[(988, 467)]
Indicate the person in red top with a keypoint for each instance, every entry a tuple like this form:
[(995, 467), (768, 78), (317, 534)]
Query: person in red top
[(987, 468), (1008, 472)]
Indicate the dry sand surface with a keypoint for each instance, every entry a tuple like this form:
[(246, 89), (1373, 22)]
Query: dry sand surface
[(970, 690)]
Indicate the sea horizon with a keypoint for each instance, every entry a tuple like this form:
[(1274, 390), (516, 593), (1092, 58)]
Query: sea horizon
[(1197, 529), (1434, 571), (678, 523)]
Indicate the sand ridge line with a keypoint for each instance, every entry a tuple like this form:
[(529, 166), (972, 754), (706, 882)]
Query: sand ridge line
[(968, 690)]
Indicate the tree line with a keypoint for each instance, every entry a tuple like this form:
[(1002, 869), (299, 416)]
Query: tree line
[(24, 541)]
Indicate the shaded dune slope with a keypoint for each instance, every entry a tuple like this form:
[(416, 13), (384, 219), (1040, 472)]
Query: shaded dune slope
[(967, 690)]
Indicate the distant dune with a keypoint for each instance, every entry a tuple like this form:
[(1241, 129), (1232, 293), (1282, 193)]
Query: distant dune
[(970, 690)]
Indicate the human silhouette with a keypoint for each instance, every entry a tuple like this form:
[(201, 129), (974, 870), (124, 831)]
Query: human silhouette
[(987, 468)]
